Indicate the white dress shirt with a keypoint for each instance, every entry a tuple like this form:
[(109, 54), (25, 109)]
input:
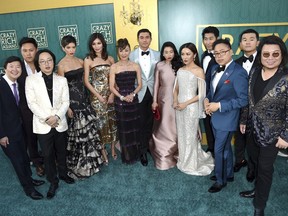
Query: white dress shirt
[(206, 62), (28, 69), (248, 65), (145, 62)]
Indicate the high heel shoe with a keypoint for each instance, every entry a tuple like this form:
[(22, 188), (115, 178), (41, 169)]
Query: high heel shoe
[(106, 162)]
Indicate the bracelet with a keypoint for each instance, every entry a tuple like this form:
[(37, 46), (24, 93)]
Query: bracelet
[(121, 97), (57, 117), (133, 93)]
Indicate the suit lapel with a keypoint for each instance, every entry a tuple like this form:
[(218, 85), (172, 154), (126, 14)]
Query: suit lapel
[(272, 82), (254, 76), (152, 59), (8, 90), (225, 76)]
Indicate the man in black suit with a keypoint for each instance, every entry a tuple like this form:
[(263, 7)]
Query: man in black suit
[(209, 35), (28, 48), (249, 41), (11, 133)]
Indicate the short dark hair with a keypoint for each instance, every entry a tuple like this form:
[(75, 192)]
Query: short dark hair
[(144, 30), (193, 48), (222, 41), (68, 39), (36, 59), (247, 31), (92, 54), (11, 59), (210, 29), (25, 40), (122, 43), (273, 40)]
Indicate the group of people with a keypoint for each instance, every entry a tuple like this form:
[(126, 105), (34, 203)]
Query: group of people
[(149, 101)]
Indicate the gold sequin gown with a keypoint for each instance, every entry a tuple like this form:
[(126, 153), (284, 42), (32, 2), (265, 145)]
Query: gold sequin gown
[(99, 79)]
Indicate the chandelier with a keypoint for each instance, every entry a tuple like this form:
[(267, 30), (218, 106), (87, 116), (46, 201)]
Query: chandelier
[(135, 14)]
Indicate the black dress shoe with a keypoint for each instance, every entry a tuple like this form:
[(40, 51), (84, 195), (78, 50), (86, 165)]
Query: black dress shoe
[(52, 190), (238, 166), (248, 194), (213, 178), (259, 212), (35, 195), (144, 160), (36, 182), (67, 179), (40, 170), (216, 187), (250, 176)]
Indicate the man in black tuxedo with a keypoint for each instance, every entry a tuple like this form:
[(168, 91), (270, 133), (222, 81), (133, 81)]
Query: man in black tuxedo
[(28, 48), (209, 35), (11, 132), (249, 41)]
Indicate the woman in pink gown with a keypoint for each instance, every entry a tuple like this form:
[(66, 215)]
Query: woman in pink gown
[(164, 143)]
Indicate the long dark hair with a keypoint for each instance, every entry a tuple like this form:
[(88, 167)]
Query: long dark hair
[(193, 48), (92, 54), (176, 61)]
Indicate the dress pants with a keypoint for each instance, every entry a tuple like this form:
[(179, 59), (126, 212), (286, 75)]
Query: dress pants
[(223, 156), (146, 121), (31, 138), (17, 154), (209, 132), (265, 158), (240, 146), (53, 145)]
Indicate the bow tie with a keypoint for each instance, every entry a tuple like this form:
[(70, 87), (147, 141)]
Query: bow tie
[(250, 58), (206, 53), (145, 53), (220, 68)]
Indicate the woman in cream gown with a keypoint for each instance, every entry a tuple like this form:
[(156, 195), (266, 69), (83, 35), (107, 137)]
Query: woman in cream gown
[(188, 97)]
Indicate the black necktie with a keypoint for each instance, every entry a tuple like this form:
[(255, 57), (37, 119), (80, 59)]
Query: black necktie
[(220, 68), (145, 53), (250, 58)]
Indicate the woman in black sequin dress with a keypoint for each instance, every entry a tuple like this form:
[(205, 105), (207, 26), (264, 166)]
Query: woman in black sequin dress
[(123, 75)]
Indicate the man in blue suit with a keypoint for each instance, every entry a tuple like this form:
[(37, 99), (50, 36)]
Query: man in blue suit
[(147, 59), (227, 94)]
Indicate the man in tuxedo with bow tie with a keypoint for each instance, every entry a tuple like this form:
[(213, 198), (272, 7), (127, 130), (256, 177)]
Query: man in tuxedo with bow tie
[(248, 41), (227, 94), (147, 59), (11, 132), (209, 35)]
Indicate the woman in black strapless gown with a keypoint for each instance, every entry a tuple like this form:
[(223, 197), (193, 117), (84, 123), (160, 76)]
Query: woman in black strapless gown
[(123, 74), (84, 146)]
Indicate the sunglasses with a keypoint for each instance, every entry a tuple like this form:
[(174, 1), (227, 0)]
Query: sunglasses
[(267, 54)]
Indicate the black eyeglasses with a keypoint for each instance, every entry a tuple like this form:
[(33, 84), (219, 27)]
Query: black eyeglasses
[(221, 53)]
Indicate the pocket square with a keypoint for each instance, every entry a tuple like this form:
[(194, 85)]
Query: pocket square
[(226, 81)]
